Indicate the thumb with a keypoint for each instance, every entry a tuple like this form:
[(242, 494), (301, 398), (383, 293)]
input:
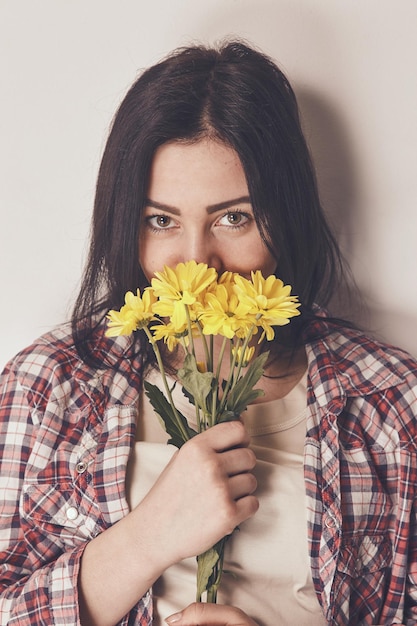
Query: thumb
[(205, 614)]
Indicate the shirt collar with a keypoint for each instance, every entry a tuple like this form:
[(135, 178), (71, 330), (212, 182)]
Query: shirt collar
[(346, 363)]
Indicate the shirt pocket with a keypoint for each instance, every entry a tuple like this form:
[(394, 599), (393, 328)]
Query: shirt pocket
[(365, 555), (58, 516), (363, 570)]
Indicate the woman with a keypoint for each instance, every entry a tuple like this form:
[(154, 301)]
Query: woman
[(206, 161)]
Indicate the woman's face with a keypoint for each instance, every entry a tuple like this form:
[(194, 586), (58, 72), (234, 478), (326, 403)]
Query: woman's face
[(198, 208)]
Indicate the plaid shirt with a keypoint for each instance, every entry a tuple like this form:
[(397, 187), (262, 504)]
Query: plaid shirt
[(66, 431)]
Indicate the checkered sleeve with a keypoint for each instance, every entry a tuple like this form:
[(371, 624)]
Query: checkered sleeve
[(30, 593), (411, 582)]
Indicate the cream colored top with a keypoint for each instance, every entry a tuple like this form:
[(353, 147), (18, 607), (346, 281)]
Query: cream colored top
[(268, 558)]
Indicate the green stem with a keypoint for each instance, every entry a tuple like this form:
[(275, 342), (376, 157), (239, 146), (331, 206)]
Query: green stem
[(209, 361), (234, 350), (190, 331), (215, 392), (214, 575), (211, 352), (197, 408), (221, 354), (212, 595), (234, 376), (243, 350), (208, 354), (164, 380), (229, 383)]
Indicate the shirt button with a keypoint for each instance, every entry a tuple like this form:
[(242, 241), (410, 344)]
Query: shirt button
[(72, 513), (81, 467), (330, 522)]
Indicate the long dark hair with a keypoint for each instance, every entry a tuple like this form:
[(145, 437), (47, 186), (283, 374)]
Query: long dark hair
[(239, 96)]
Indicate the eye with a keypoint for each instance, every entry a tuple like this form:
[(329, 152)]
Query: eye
[(159, 222), (235, 219)]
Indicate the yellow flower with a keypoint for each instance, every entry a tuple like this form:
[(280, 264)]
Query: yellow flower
[(227, 279), (134, 314), (121, 322), (247, 355), (201, 366), (180, 287), (224, 314), (169, 334), (269, 300)]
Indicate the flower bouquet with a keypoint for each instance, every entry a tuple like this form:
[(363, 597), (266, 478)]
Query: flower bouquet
[(191, 303)]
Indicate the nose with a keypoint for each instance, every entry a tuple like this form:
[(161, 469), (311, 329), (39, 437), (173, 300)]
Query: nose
[(202, 248)]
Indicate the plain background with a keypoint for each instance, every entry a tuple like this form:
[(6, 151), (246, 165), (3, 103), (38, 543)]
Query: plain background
[(65, 66)]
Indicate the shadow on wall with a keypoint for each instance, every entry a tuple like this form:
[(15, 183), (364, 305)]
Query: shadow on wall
[(402, 327), (335, 164), (335, 168)]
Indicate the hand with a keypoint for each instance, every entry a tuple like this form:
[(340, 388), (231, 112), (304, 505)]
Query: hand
[(210, 615), (203, 494)]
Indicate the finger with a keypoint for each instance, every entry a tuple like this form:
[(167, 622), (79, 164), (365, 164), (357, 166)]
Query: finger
[(226, 435), (238, 460), (203, 614), (242, 485), (245, 508)]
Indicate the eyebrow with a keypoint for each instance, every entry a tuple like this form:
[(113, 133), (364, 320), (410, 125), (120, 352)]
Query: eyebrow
[(211, 208)]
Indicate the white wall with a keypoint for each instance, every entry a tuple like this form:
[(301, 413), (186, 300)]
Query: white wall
[(64, 67)]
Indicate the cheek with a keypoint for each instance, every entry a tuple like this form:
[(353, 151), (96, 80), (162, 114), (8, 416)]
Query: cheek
[(270, 265), (153, 255), (144, 258), (267, 261), (259, 258)]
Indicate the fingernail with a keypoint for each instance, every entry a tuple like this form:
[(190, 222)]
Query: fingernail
[(173, 619)]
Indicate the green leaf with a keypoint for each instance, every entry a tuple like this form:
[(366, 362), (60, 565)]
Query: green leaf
[(206, 564), (170, 420), (209, 570), (188, 395), (243, 392), (198, 384), (227, 416)]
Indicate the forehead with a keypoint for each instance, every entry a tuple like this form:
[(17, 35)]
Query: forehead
[(206, 167)]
